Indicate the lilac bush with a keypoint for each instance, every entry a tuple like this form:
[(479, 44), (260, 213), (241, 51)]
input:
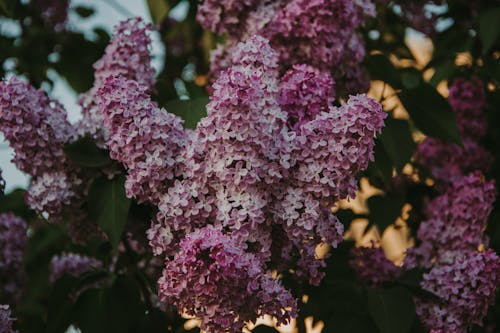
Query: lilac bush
[(232, 185)]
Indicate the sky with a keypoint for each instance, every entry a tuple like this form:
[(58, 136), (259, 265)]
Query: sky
[(108, 13)]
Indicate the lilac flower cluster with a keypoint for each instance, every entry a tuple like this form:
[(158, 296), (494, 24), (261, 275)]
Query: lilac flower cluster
[(456, 220), (37, 130), (126, 55), (54, 13), (6, 320), (71, 264), (463, 277), (211, 263), (468, 99), (447, 161), (249, 189), (35, 126), (51, 192), (372, 266), (305, 93), (465, 282), (319, 33), (155, 138), (13, 239)]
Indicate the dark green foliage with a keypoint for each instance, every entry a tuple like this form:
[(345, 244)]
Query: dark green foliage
[(85, 153), (108, 206), (392, 309), (191, 110), (397, 142), (430, 112), (384, 209)]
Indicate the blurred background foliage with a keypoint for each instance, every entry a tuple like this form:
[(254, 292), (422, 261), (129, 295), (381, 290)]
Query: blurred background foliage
[(409, 72)]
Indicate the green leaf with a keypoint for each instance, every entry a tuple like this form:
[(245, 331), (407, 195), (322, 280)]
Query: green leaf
[(382, 165), (84, 152), (443, 72), (385, 209), (397, 141), (411, 279), (430, 112), (77, 49), (392, 310), (108, 206), (10, 8), (381, 68), (191, 110), (411, 77), (158, 10), (489, 28), (89, 311), (84, 12), (60, 309), (110, 310), (14, 202)]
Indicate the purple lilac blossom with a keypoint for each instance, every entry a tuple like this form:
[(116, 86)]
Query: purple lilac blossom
[(463, 279), (468, 100), (35, 126), (127, 55), (6, 319), (216, 280), (456, 220), (304, 93), (243, 176), (146, 139), (372, 266), (447, 161), (13, 239), (54, 13), (37, 129), (465, 283), (52, 192), (319, 33), (71, 264)]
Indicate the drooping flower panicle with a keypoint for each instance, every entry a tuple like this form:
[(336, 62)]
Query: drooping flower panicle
[(13, 240), (6, 319), (71, 264), (372, 266), (465, 282), (128, 55), (35, 126), (146, 139), (249, 189), (213, 278)]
